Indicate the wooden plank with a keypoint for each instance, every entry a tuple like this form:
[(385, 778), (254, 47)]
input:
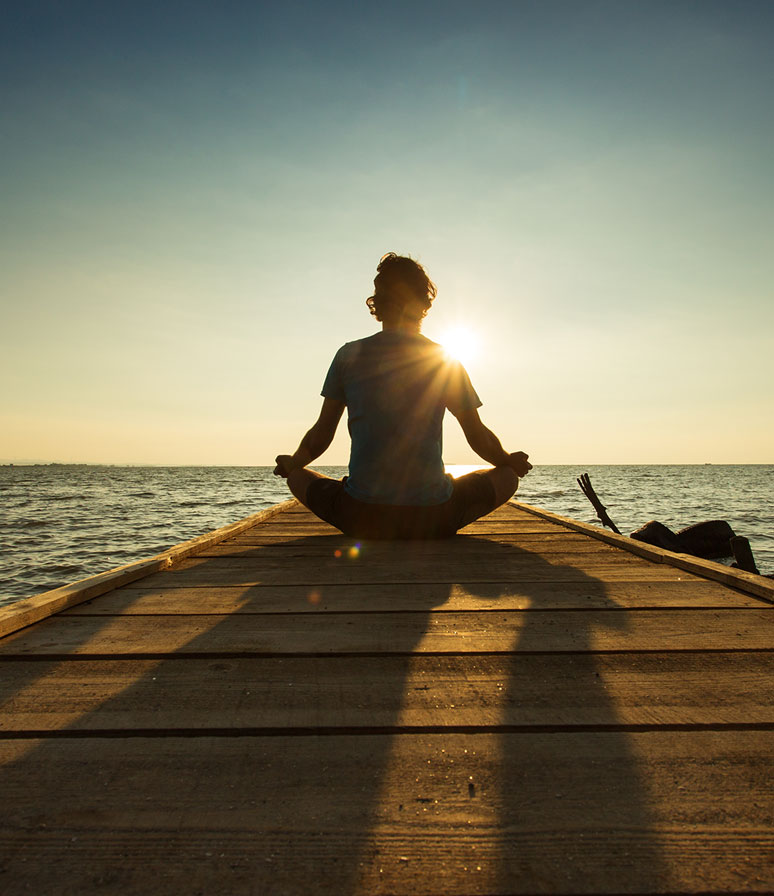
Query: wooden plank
[(550, 539), (285, 529), (489, 526), (422, 632), (556, 536), (463, 546), (510, 511), (495, 566), (671, 689), (21, 613), (450, 814), (298, 510), (288, 527), (139, 600)]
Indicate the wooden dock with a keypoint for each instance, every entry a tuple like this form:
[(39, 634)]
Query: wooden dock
[(529, 707)]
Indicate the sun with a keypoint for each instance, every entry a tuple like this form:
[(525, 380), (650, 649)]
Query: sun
[(460, 343)]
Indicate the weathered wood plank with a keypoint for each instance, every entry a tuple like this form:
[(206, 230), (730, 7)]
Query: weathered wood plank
[(553, 538), (477, 814), (463, 546), (507, 511), (137, 600), (511, 566), (287, 527), (515, 511), (422, 632), (467, 555), (389, 692)]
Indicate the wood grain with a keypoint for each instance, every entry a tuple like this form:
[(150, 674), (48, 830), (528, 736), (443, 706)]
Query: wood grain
[(165, 600), (389, 692), (422, 631), (513, 813)]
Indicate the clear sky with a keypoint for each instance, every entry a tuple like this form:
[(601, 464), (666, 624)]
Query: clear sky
[(195, 197)]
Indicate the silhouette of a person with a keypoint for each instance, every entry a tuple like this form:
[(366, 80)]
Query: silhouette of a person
[(396, 386)]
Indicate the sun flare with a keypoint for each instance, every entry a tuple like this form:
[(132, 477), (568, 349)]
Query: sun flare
[(461, 344)]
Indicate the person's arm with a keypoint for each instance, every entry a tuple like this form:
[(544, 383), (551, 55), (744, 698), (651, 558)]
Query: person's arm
[(315, 442), (487, 446)]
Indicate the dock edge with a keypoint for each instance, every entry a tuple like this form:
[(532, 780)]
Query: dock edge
[(29, 610), (758, 585)]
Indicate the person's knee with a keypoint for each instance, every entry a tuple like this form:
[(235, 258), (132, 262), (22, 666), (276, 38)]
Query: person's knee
[(505, 483), (298, 482)]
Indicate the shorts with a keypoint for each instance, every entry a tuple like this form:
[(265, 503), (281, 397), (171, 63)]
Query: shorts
[(473, 497)]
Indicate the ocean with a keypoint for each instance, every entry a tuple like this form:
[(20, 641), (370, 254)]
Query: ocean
[(61, 523)]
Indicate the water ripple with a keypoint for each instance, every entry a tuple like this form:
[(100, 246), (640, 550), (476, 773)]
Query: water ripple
[(63, 523)]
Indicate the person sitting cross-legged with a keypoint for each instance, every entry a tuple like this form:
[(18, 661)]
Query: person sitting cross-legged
[(396, 386)]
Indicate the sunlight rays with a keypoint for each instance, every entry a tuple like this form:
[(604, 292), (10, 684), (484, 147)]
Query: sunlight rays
[(460, 343)]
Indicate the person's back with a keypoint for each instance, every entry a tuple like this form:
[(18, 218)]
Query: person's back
[(396, 386)]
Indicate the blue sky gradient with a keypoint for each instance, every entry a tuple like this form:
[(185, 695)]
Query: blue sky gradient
[(196, 197)]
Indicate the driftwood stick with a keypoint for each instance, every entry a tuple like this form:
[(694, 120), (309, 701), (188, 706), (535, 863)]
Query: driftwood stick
[(585, 484)]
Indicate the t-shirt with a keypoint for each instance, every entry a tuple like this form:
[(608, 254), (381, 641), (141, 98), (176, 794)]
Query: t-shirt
[(397, 386)]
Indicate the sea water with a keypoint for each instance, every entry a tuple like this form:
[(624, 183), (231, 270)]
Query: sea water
[(61, 523)]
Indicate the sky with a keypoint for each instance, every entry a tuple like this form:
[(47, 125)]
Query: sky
[(196, 195)]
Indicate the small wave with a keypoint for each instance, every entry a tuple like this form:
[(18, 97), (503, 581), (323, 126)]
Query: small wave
[(36, 541), (61, 569), (141, 494)]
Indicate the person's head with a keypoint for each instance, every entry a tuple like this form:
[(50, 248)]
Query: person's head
[(403, 293)]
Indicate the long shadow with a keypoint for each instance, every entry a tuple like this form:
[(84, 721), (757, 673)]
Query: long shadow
[(548, 795), (574, 815), (296, 759)]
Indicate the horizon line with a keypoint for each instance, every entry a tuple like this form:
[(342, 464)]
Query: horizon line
[(644, 463)]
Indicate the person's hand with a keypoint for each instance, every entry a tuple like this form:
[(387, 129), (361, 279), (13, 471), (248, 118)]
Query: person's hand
[(519, 463), (285, 465)]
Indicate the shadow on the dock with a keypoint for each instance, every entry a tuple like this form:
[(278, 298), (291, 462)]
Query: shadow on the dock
[(336, 750)]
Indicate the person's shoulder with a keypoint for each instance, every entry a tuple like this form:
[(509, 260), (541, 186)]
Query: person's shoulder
[(418, 342), (431, 351), (428, 344), (350, 351), (366, 341)]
